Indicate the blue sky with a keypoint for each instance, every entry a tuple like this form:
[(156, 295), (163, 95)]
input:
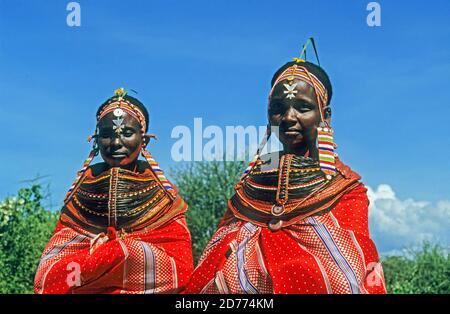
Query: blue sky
[(215, 59)]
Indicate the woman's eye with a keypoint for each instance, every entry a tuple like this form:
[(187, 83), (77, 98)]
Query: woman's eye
[(303, 107), (276, 108), (128, 133)]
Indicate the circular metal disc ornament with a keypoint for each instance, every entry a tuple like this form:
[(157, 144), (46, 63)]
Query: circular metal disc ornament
[(277, 210), (118, 112), (275, 224)]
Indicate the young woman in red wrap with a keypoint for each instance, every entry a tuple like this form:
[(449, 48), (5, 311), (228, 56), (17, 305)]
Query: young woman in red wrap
[(298, 221), (122, 228)]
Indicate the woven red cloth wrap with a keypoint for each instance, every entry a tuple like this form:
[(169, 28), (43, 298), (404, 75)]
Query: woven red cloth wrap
[(325, 251), (138, 243)]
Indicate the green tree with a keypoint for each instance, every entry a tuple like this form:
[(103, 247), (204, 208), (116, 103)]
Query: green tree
[(206, 187), (424, 270), (25, 227)]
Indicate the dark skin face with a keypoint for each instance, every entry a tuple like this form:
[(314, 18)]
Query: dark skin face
[(297, 118), (120, 149)]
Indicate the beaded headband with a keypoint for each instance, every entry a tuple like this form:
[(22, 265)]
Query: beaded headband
[(121, 103), (301, 73), (118, 105), (325, 141)]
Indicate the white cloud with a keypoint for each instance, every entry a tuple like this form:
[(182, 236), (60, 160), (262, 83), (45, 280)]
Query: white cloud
[(396, 224)]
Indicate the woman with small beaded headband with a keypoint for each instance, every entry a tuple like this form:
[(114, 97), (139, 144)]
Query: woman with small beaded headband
[(122, 228), (298, 221)]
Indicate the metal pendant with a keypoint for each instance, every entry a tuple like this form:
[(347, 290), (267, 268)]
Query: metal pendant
[(275, 224), (118, 125), (290, 90), (118, 112), (277, 210)]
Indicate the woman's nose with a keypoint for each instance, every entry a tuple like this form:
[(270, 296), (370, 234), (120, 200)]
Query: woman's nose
[(290, 115), (116, 142)]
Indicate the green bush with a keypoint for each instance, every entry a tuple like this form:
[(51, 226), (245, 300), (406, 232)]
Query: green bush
[(25, 228), (424, 270), (206, 187)]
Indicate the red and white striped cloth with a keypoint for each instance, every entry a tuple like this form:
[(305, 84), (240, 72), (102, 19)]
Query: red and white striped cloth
[(330, 253), (156, 261)]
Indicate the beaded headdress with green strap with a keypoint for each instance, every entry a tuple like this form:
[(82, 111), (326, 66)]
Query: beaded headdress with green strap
[(325, 143)]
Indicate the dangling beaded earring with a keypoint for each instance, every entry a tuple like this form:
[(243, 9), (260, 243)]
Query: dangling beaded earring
[(254, 161), (158, 172), (325, 146), (325, 141), (92, 154)]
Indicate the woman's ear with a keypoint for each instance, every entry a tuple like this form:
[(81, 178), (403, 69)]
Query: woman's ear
[(146, 139), (94, 139), (327, 114)]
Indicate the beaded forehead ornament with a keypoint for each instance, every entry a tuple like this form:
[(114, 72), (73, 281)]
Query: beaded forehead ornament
[(325, 143)]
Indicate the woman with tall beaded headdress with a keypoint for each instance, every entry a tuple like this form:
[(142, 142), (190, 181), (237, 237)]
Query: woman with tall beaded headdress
[(298, 221), (122, 228)]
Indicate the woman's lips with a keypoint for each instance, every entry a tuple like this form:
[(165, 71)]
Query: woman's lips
[(117, 155), (292, 132)]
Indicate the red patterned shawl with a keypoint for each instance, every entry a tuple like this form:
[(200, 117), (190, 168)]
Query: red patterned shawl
[(154, 259), (330, 252)]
